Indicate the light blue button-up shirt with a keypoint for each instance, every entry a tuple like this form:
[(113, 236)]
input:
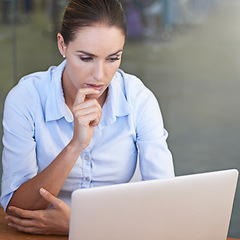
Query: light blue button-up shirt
[(38, 125)]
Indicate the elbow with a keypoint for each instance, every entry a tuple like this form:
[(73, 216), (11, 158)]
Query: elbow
[(37, 204)]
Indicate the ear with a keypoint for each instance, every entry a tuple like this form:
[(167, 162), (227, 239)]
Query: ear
[(61, 44)]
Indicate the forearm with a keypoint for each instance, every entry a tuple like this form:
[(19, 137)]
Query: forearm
[(27, 196), (87, 115)]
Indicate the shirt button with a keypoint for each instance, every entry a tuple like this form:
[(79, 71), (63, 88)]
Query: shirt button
[(87, 179), (86, 157)]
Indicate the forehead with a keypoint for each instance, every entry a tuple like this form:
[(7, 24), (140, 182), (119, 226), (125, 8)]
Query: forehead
[(98, 38)]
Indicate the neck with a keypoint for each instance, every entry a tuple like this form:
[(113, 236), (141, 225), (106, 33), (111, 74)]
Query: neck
[(69, 92), (101, 100)]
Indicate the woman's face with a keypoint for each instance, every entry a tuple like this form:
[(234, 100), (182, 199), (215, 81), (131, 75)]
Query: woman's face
[(93, 58)]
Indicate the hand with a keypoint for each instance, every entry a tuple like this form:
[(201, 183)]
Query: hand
[(87, 114), (51, 221)]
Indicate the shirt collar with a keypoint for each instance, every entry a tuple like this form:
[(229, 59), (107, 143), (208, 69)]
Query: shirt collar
[(116, 104), (55, 105)]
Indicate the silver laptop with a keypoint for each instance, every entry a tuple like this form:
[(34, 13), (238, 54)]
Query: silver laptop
[(192, 207)]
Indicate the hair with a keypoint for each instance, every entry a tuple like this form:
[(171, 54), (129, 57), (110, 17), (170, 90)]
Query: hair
[(85, 13)]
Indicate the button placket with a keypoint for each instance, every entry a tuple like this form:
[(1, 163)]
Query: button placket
[(86, 169), (88, 179)]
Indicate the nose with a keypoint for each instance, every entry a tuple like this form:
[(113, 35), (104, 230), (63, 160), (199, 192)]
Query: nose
[(99, 71)]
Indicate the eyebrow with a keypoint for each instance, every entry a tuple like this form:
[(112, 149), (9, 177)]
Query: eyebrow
[(92, 55)]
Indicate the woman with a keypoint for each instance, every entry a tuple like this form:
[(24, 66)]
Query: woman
[(79, 125)]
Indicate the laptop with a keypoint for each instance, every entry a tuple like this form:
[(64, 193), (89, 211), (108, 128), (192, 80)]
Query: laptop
[(191, 207)]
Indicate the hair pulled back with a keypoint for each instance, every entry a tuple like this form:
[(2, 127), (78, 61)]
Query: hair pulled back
[(85, 13)]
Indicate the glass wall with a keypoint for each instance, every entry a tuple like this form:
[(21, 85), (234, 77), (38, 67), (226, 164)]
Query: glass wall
[(27, 39), (186, 51)]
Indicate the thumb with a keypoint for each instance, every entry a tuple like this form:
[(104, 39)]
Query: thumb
[(49, 197)]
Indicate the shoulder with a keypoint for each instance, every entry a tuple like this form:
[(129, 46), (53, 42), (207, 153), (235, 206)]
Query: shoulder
[(135, 90), (29, 90), (30, 85), (130, 81), (142, 101)]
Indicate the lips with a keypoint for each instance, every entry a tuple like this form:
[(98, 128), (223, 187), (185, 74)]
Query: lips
[(95, 86)]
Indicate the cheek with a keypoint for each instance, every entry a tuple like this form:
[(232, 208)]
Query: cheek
[(114, 68), (112, 71), (80, 71)]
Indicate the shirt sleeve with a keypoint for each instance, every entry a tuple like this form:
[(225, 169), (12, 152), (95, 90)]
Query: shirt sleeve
[(19, 156), (155, 159)]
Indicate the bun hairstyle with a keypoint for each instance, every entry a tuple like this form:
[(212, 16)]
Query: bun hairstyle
[(85, 13)]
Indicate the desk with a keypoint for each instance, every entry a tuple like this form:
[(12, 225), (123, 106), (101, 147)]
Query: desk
[(7, 233)]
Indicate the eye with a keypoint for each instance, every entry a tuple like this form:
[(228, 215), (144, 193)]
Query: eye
[(114, 59), (86, 59)]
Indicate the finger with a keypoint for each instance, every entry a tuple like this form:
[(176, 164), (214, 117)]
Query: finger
[(94, 123), (83, 109), (34, 230), (89, 119), (88, 103), (21, 221), (88, 111), (49, 197), (23, 213), (83, 92)]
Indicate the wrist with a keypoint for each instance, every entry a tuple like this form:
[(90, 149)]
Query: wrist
[(75, 148)]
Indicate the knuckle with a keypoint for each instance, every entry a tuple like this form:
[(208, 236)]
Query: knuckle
[(77, 114), (27, 230), (74, 109), (19, 228), (59, 204), (17, 221), (40, 216), (41, 225)]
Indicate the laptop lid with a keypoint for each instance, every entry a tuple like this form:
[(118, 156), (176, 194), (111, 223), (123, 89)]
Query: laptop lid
[(196, 207)]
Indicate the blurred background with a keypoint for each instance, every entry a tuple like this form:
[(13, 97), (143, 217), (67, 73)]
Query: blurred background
[(186, 51)]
